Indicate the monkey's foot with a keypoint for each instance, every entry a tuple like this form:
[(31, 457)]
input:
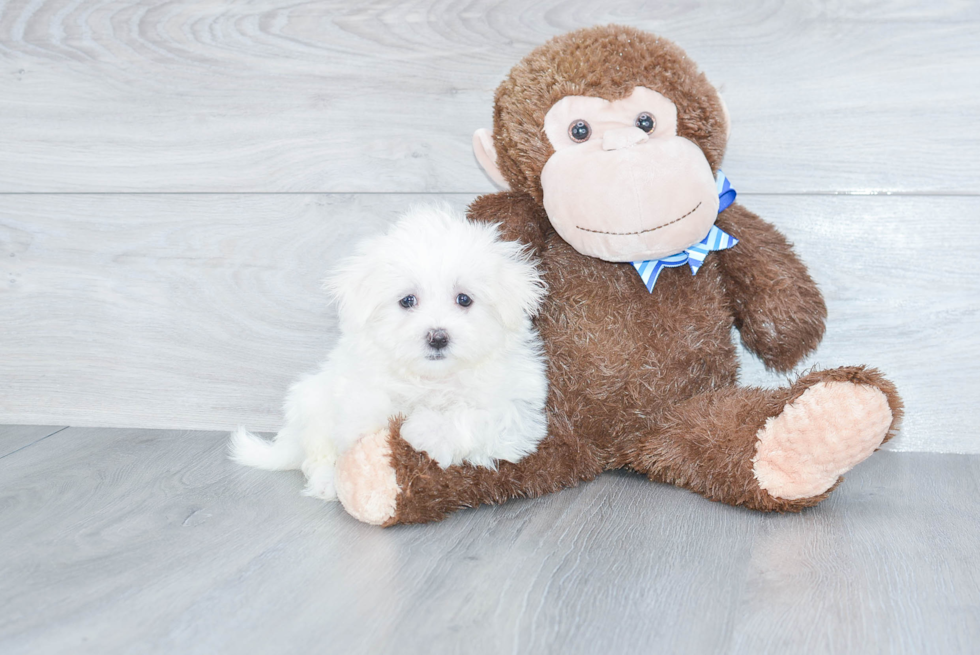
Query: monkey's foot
[(824, 433), (365, 480)]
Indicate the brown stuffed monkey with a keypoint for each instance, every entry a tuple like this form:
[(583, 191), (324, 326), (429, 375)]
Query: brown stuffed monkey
[(610, 140)]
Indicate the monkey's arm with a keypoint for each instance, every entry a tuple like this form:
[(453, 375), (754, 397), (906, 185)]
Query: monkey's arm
[(777, 306), (520, 217)]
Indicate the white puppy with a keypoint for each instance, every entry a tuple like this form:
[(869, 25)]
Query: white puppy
[(435, 325)]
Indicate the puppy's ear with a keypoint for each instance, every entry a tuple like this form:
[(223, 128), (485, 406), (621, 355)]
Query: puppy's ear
[(348, 287), (518, 290)]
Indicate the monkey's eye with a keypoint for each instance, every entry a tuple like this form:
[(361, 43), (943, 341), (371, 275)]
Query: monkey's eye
[(463, 300), (579, 131), (408, 302), (646, 122)]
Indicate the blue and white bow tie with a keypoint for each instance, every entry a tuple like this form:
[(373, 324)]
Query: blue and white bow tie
[(716, 239)]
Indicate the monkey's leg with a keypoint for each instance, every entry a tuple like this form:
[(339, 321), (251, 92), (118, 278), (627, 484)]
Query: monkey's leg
[(383, 481), (770, 449)]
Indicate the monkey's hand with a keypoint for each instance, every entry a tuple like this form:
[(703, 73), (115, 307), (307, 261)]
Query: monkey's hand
[(520, 217), (776, 304)]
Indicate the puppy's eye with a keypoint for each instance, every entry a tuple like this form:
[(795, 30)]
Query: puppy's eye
[(408, 302), (463, 300), (646, 122), (579, 131)]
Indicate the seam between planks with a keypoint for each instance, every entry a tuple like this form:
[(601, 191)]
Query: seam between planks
[(35, 442)]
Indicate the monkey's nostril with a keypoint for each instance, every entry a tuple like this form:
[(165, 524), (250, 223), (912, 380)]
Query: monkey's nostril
[(437, 339)]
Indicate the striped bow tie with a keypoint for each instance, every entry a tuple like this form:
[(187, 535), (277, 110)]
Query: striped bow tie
[(716, 239)]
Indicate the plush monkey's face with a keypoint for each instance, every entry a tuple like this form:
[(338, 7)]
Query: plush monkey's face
[(617, 134), (621, 184)]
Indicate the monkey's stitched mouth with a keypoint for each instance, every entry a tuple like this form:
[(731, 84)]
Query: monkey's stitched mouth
[(626, 234)]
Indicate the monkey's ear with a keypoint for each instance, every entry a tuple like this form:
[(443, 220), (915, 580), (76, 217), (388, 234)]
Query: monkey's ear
[(486, 155)]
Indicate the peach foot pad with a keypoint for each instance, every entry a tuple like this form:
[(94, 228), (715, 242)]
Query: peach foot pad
[(818, 437), (365, 481)]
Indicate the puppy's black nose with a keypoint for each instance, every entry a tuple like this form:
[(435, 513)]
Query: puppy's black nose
[(437, 338)]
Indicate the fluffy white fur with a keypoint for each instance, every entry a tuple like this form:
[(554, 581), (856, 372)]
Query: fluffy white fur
[(478, 399)]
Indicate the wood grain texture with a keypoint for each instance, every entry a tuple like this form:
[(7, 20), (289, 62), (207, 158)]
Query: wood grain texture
[(197, 312), (145, 308), (15, 437), (112, 95), (141, 541)]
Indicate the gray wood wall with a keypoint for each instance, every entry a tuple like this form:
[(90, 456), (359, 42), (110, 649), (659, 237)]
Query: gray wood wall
[(175, 178)]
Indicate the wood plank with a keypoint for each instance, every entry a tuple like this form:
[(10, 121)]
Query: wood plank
[(118, 540), (892, 303), (15, 437), (197, 312), (862, 542), (137, 305), (112, 95)]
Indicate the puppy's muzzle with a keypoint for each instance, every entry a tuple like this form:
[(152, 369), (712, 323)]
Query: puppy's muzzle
[(437, 339)]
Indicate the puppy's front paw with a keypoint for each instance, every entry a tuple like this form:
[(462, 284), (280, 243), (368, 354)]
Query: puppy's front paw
[(320, 483), (430, 432), (365, 480)]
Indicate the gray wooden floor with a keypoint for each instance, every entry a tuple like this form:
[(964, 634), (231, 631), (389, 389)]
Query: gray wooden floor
[(119, 540)]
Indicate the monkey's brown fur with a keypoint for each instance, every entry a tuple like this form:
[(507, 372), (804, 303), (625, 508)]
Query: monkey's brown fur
[(639, 380)]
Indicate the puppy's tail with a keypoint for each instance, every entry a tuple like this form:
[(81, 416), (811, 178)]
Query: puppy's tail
[(252, 450)]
